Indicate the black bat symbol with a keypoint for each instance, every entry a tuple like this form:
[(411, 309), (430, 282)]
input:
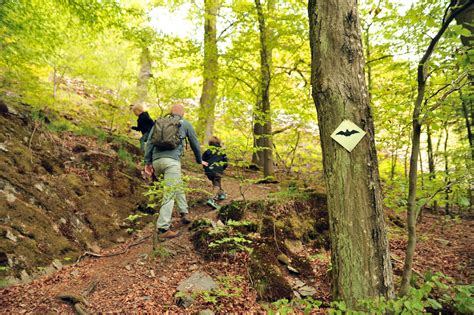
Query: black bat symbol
[(347, 133)]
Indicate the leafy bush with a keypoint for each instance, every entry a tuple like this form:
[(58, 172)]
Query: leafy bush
[(285, 306), (434, 294)]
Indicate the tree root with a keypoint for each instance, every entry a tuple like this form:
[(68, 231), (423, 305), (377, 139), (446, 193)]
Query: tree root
[(76, 301), (92, 254)]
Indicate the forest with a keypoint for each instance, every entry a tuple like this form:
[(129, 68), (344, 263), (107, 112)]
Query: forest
[(318, 154)]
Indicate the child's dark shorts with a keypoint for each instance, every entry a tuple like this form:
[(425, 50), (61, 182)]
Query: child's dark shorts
[(215, 178)]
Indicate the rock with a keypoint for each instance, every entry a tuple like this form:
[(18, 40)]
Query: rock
[(284, 259), (57, 264), (49, 270), (10, 280), (198, 281), (25, 277), (10, 197), (75, 273), (164, 279), (152, 273), (146, 298), (11, 236), (120, 240), (128, 267), (292, 269), (298, 284), (39, 186), (307, 290), (185, 300), (294, 246), (3, 147), (206, 312), (193, 267)]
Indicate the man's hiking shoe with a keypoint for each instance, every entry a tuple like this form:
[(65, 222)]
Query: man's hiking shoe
[(185, 219), (212, 203), (222, 196), (164, 234)]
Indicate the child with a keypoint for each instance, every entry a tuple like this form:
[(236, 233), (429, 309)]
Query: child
[(217, 163), (144, 123)]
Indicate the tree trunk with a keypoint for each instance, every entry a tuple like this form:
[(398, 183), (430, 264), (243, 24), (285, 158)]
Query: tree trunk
[(257, 156), (361, 265), (446, 170), (466, 109), (143, 76), (431, 162), (265, 68), (415, 148), (210, 72)]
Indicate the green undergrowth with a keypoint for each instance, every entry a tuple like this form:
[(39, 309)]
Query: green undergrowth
[(437, 294), (227, 287)]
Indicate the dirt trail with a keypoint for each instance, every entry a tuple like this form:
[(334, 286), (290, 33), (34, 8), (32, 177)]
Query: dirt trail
[(136, 281)]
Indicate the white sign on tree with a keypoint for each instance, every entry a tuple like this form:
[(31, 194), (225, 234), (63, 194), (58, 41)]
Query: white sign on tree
[(348, 135)]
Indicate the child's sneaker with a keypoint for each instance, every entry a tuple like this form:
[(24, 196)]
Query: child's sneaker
[(211, 202), (221, 196)]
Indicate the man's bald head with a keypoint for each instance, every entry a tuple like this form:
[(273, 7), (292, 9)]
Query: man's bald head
[(177, 109)]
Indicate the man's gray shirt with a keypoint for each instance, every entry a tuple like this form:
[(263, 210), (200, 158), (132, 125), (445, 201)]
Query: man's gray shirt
[(186, 130)]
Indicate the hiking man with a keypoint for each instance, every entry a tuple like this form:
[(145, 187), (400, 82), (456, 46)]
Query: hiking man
[(162, 157)]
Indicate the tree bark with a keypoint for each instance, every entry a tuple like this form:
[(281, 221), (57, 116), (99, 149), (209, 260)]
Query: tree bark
[(446, 170), (415, 148), (360, 255), (431, 162), (265, 68), (143, 76), (210, 71)]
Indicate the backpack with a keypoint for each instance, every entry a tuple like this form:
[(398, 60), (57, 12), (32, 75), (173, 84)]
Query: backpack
[(166, 133)]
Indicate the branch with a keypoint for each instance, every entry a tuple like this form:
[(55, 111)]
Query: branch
[(428, 200), (378, 59), (446, 21), (281, 130), (455, 86)]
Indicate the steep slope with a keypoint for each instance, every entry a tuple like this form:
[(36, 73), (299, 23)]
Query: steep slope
[(61, 194)]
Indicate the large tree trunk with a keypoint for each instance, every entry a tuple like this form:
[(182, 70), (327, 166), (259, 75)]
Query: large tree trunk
[(265, 67), (143, 76), (360, 255), (210, 71)]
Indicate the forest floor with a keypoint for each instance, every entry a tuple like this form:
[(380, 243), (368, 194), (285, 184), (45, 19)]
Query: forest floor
[(130, 277), (137, 281)]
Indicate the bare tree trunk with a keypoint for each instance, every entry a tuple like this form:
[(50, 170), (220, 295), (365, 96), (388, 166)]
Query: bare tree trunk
[(361, 265), (446, 170), (210, 71), (257, 156), (451, 13), (466, 109), (266, 68), (431, 162), (143, 76)]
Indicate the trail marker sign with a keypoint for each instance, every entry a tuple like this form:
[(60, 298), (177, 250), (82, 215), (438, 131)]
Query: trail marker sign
[(348, 135)]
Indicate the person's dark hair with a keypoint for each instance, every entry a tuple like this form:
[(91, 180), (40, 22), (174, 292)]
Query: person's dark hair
[(214, 141)]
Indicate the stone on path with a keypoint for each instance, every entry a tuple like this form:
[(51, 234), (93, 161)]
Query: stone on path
[(198, 282), (206, 312)]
